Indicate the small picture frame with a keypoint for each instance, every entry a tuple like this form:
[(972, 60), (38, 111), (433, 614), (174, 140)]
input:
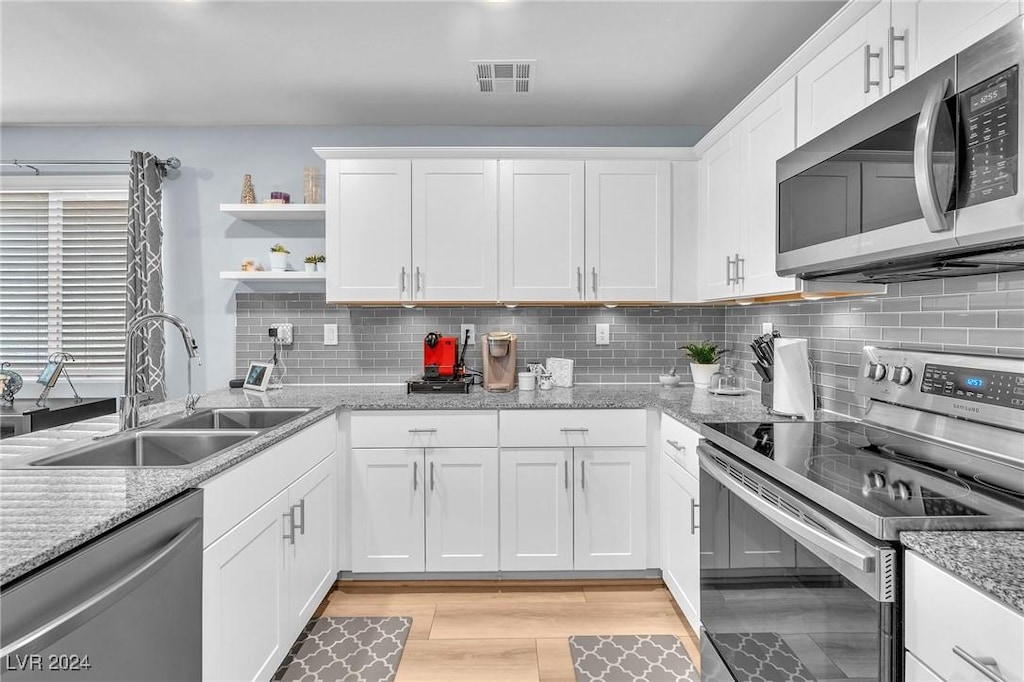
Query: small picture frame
[(258, 376), (51, 372)]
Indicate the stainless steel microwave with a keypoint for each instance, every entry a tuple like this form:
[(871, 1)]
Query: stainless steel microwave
[(924, 183)]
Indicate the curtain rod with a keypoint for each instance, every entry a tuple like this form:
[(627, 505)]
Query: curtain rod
[(170, 163)]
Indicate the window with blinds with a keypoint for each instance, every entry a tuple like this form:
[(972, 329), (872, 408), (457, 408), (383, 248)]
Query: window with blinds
[(63, 265)]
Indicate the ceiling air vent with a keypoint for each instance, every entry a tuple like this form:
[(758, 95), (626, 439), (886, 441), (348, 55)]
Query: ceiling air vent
[(513, 76)]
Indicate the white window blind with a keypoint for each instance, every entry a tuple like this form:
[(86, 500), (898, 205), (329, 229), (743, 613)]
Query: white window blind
[(62, 278)]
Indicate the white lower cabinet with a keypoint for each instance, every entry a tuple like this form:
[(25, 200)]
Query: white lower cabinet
[(536, 509), (573, 508), (311, 551), (680, 536), (434, 509)]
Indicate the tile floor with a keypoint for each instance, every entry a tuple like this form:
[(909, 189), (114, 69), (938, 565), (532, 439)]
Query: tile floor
[(509, 632)]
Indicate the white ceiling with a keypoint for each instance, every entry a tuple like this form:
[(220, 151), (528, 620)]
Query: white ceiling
[(674, 62)]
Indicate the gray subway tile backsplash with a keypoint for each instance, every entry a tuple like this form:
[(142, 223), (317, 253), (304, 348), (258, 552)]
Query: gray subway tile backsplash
[(384, 345)]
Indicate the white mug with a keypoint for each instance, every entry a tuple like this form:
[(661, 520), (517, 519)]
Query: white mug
[(527, 381)]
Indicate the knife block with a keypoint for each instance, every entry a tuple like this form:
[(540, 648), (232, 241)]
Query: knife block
[(767, 394)]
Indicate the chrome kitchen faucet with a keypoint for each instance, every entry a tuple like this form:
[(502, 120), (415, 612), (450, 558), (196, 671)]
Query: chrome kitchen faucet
[(133, 396)]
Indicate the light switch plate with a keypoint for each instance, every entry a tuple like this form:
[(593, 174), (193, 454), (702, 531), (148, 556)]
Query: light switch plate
[(603, 334), (472, 333), (330, 335), (767, 327)]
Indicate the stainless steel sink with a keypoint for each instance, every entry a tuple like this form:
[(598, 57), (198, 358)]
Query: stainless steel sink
[(256, 418), (156, 448)]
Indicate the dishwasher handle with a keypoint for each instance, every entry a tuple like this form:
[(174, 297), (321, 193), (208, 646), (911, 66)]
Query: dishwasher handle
[(88, 609)]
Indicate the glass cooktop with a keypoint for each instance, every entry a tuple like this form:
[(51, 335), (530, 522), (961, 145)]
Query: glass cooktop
[(881, 477)]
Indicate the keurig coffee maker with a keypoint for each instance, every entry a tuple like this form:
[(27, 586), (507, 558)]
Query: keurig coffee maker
[(499, 349)]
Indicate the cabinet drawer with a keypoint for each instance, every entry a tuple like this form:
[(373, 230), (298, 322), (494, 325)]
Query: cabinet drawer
[(425, 429), (944, 612), (679, 442), (916, 671), (573, 428)]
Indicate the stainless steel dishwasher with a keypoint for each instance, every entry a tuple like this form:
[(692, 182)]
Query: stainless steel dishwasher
[(126, 606)]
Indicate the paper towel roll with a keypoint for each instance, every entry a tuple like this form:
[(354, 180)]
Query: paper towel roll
[(793, 393)]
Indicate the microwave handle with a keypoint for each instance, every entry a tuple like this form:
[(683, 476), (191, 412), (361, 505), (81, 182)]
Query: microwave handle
[(924, 147)]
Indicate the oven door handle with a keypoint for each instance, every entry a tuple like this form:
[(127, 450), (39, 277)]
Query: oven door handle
[(924, 148), (865, 563)]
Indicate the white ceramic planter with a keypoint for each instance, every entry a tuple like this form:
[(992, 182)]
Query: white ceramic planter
[(310, 267), (278, 261), (321, 267), (702, 374)]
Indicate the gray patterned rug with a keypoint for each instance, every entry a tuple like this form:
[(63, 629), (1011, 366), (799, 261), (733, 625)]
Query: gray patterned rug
[(631, 658), (761, 657), (346, 650)]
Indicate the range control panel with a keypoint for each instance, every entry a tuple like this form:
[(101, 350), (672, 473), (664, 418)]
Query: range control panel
[(988, 112), (983, 386)]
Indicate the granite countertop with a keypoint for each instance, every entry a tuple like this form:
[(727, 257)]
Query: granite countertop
[(991, 560), (47, 512)]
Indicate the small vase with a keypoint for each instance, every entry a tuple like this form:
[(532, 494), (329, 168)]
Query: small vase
[(702, 374), (278, 261), (321, 267), (248, 191), (310, 267)]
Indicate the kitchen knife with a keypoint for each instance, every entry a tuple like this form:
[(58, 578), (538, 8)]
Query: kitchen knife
[(760, 370)]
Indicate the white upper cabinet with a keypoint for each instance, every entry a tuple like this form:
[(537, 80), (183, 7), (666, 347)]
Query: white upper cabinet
[(846, 76), (721, 215), (455, 230), (369, 240), (629, 231), (541, 230), (769, 134), (944, 27)]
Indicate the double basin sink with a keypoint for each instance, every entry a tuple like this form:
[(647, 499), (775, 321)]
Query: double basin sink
[(175, 441)]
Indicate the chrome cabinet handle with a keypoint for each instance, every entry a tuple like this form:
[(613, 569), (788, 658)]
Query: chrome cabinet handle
[(565, 466), (868, 56), (694, 526), (574, 429), (593, 275), (301, 525), (419, 279), (84, 611), (401, 281), (415, 475), (579, 281), (983, 665), (893, 66), (676, 445), (431, 475), (728, 270), (924, 146), (422, 430), (739, 261), (289, 520), (583, 475)]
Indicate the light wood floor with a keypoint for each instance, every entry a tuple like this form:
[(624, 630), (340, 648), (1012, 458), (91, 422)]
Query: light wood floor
[(509, 632)]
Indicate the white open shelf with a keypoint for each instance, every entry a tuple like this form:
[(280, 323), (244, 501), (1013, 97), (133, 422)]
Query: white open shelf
[(270, 276), (275, 211)]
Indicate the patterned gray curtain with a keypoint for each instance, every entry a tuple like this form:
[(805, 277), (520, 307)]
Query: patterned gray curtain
[(145, 266)]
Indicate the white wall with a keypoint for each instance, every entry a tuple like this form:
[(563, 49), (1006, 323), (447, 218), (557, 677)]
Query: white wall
[(200, 241)]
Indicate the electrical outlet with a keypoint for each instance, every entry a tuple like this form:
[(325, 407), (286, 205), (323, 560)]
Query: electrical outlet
[(471, 328), (330, 335), (767, 327), (282, 332), (603, 334)]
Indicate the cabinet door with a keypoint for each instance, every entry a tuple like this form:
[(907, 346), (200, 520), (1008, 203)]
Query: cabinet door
[(941, 28), (629, 231), (536, 509), (369, 234), (462, 509), (680, 537), (454, 230), (755, 542), (311, 571), (835, 84), (540, 230), (610, 509), (721, 214), (387, 510), (770, 134), (245, 616), (714, 524)]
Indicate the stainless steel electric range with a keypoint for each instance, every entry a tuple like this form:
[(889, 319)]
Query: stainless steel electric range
[(800, 521)]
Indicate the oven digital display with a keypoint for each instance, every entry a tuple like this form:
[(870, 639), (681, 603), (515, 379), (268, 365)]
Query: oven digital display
[(974, 382), (1005, 389), (990, 96)]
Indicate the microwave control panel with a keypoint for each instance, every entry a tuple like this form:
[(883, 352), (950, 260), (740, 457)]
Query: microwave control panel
[(989, 116), (983, 386)]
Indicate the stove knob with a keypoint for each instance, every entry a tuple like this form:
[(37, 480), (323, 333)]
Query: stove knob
[(902, 375), (900, 491), (875, 371), (875, 480)]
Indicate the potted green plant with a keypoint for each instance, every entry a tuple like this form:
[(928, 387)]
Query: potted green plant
[(310, 262), (704, 357), (278, 258), (321, 262)]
